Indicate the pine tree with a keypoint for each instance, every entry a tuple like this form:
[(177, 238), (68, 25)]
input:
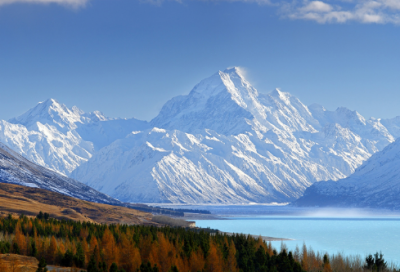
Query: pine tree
[(52, 250), (380, 262), (20, 240), (304, 258), (33, 248), (114, 267), (42, 266), (197, 261), (94, 249), (109, 246), (173, 269), (68, 258), (327, 266), (92, 266), (130, 256), (146, 267), (370, 261), (213, 263), (79, 258)]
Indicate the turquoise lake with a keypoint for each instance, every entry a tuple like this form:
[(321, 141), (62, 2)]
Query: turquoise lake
[(346, 235)]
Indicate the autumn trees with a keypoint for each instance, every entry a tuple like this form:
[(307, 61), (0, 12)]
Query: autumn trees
[(105, 248)]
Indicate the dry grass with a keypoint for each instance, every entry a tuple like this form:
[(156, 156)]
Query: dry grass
[(17, 263), (18, 200)]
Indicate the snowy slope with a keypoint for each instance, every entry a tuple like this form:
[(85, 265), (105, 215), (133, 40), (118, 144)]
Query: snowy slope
[(375, 184), (61, 139), (16, 169), (225, 142), (159, 165)]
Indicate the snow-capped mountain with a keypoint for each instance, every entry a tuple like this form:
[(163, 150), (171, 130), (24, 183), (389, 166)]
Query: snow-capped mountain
[(159, 165), (16, 169), (61, 139), (225, 142), (375, 184)]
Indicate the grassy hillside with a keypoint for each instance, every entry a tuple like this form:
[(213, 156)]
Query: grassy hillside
[(17, 200), (18, 263)]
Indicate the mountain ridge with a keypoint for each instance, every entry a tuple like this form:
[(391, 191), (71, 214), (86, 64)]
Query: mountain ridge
[(15, 169), (374, 184), (223, 142), (247, 147), (54, 136)]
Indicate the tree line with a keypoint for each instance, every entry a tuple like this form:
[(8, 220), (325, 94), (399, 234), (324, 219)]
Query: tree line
[(104, 248), (136, 248)]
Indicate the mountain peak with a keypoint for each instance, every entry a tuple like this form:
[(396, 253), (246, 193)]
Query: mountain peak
[(221, 102), (353, 115), (49, 101), (49, 112), (234, 71), (282, 95)]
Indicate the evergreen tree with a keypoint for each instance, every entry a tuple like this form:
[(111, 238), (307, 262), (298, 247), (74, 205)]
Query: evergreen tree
[(146, 267), (79, 258), (370, 261), (327, 266), (114, 267), (33, 249), (15, 248), (68, 259), (380, 262), (92, 267), (173, 269), (40, 215), (42, 266)]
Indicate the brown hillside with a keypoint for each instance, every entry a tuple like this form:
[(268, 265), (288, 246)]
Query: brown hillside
[(16, 199), (17, 263)]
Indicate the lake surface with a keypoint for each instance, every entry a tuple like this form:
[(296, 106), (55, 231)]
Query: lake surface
[(346, 235)]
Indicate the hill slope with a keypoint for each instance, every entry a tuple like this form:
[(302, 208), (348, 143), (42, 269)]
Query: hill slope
[(16, 169), (29, 201)]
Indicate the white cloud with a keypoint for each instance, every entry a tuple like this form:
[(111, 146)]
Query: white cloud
[(317, 6), (324, 11), (393, 4), (342, 11), (71, 3), (260, 2)]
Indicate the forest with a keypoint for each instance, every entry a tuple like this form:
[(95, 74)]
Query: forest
[(137, 248)]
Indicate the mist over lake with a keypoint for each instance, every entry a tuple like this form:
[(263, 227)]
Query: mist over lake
[(348, 231)]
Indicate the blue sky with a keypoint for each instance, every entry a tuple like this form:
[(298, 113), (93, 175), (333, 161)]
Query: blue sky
[(127, 57)]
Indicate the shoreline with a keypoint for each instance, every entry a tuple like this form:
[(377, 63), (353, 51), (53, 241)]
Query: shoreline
[(265, 238), (195, 216)]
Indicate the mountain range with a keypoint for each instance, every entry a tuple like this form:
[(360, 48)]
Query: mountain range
[(224, 142)]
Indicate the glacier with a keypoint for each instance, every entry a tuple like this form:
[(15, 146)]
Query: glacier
[(224, 142)]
